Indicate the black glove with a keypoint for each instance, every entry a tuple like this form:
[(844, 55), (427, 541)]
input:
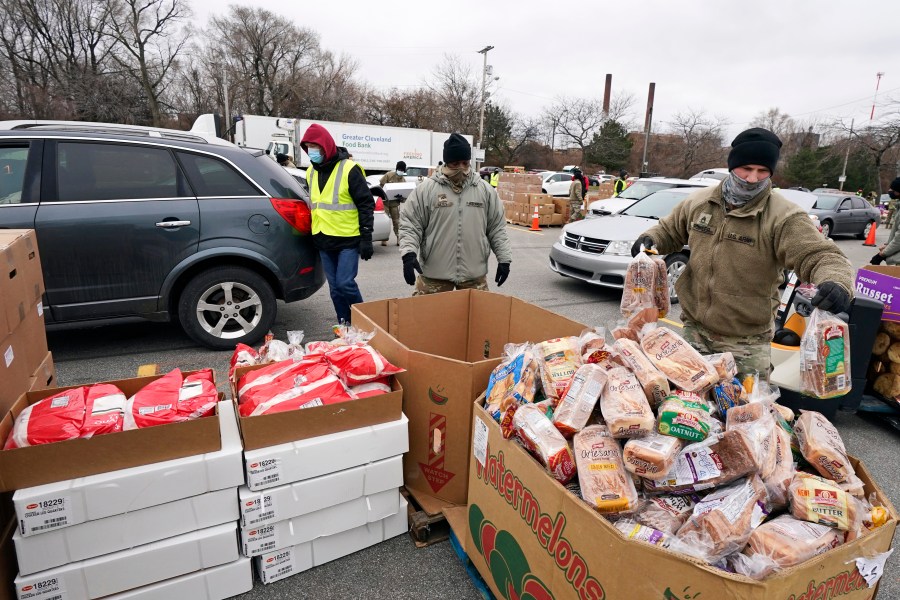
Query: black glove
[(410, 266), (365, 248), (502, 273), (832, 297), (877, 259), (646, 240)]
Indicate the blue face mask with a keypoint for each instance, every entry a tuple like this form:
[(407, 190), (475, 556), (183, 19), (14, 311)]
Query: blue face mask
[(315, 156)]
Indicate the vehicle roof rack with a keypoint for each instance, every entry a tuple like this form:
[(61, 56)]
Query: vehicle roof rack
[(111, 128)]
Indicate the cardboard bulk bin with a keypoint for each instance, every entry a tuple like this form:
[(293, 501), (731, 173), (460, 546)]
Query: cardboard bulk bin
[(449, 343), (530, 537)]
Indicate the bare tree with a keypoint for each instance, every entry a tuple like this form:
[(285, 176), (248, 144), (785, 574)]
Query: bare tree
[(574, 120), (779, 123), (701, 141), (458, 94), (150, 39), (416, 108), (880, 141)]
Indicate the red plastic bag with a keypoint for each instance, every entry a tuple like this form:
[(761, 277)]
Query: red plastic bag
[(372, 388), (104, 410), (277, 379), (56, 418), (198, 396), (244, 356), (328, 390), (171, 399), (360, 363)]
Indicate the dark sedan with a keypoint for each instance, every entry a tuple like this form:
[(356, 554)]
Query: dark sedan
[(844, 214)]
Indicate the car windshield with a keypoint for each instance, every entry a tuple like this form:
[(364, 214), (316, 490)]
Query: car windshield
[(827, 201), (657, 205), (417, 171), (641, 189)]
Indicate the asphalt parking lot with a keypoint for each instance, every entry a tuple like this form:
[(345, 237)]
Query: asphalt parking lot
[(396, 569)]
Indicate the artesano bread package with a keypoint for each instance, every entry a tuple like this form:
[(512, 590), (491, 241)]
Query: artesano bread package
[(601, 472)]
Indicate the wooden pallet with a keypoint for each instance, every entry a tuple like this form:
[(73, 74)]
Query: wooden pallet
[(425, 529)]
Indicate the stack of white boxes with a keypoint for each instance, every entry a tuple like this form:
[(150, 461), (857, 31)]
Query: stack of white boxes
[(316, 500), (161, 531)]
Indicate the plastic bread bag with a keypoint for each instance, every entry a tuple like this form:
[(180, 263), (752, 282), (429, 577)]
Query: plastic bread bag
[(653, 456), (348, 335), (724, 365), (634, 530), (724, 520), (666, 513), (819, 500), (823, 448), (542, 439), (601, 473), (655, 384), (678, 361), (782, 543), (57, 418), (717, 460), (762, 391), (661, 287), (560, 358), (757, 422), (244, 356), (684, 419), (573, 411), (639, 286), (728, 394), (504, 377), (780, 479), (592, 339), (624, 405), (825, 356)]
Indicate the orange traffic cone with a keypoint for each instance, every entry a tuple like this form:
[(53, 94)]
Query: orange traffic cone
[(535, 220), (870, 240)]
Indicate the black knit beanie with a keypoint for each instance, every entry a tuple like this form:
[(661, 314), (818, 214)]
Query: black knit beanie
[(401, 166), (756, 146), (895, 185), (456, 148)]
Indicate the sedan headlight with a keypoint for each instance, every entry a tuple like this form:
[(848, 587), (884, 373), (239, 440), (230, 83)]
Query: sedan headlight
[(619, 248)]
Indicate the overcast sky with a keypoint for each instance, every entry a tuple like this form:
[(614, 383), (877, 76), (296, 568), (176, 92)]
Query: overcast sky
[(810, 58)]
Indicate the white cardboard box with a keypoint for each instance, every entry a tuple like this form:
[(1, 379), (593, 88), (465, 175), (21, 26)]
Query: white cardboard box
[(327, 521), (66, 503), (120, 532), (281, 564), (217, 583), (303, 497), (130, 569), (297, 461)]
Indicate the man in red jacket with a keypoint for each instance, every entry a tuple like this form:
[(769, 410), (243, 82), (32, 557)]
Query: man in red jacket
[(342, 215)]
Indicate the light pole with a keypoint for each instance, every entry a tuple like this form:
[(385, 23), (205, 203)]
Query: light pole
[(878, 77), (483, 51)]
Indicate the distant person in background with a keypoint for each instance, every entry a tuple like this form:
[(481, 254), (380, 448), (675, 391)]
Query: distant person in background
[(577, 194), (392, 207), (621, 182), (285, 161), (890, 251), (859, 192), (342, 216), (495, 178), (451, 222)]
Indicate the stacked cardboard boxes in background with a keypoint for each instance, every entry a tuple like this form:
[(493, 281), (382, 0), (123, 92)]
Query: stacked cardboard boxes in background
[(322, 482), (166, 527), (521, 193)]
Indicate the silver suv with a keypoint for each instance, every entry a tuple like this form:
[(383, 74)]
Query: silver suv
[(160, 224)]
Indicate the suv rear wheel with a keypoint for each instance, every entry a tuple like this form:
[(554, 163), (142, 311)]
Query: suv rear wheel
[(225, 306)]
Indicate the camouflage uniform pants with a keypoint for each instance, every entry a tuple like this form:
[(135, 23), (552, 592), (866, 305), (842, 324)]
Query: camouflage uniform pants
[(752, 353), (576, 211), (393, 211), (426, 285)]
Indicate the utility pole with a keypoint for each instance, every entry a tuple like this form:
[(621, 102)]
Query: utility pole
[(647, 124), (878, 77), (227, 103), (843, 176), (483, 51)]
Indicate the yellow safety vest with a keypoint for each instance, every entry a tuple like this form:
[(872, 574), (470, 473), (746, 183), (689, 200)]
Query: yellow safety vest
[(620, 185), (495, 179), (333, 209)]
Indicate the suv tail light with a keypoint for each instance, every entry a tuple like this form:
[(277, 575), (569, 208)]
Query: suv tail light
[(379, 204), (295, 212)]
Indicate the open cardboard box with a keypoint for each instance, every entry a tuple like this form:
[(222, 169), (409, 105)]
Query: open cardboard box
[(48, 463), (263, 431), (449, 343), (530, 534)]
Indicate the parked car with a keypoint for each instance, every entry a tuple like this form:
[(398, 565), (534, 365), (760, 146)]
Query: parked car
[(604, 177), (556, 183), (845, 213), (598, 250), (717, 174), (638, 190), (160, 224)]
